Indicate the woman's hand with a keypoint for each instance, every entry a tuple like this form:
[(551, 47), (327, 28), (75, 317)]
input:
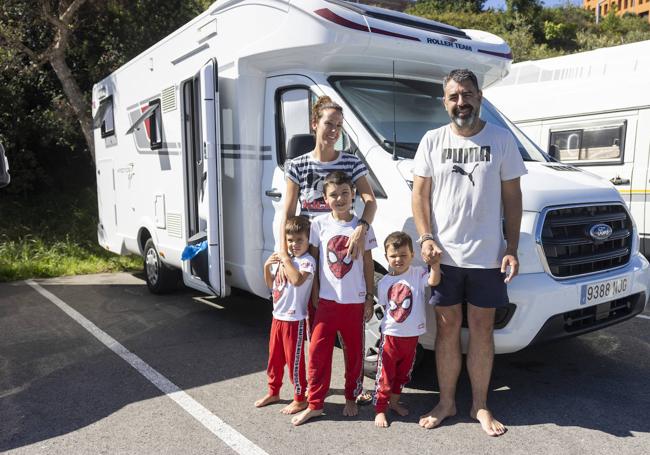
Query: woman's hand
[(357, 242)]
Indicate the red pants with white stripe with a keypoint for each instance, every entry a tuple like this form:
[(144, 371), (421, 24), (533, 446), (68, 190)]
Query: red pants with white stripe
[(287, 347), (330, 318), (394, 367)]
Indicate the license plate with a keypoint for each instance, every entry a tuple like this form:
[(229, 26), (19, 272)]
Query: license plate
[(603, 291)]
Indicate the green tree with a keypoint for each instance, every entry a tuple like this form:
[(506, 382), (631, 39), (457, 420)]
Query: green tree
[(38, 124), (428, 7)]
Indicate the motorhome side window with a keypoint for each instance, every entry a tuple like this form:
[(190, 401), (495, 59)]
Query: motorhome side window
[(601, 144), (107, 124), (155, 126), (293, 108)]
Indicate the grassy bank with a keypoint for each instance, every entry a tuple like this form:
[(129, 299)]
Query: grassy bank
[(54, 235)]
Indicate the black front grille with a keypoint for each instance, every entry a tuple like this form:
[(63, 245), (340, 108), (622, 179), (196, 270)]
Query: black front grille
[(569, 248), (586, 318)]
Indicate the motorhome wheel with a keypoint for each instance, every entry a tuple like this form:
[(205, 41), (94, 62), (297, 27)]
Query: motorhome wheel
[(161, 278)]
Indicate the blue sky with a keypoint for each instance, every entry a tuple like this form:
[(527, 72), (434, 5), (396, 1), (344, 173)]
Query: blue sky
[(501, 4)]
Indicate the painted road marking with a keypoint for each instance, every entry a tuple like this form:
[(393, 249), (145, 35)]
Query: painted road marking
[(642, 316), (238, 442)]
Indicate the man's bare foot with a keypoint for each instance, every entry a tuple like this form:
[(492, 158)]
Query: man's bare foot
[(266, 400), (489, 424), (435, 417), (305, 415), (351, 409), (380, 420), (396, 406), (293, 407)]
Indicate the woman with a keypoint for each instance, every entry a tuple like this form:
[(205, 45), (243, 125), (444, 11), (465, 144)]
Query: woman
[(304, 176)]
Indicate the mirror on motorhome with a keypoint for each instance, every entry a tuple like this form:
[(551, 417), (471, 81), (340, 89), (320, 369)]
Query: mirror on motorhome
[(4, 168)]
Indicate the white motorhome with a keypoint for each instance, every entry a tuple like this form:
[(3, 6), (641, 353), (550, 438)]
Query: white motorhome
[(591, 110), (192, 135)]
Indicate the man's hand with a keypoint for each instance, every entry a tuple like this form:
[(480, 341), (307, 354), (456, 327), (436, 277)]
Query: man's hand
[(368, 309), (510, 266), (430, 252)]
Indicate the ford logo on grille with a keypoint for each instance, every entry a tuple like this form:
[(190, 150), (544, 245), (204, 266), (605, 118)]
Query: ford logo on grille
[(600, 232)]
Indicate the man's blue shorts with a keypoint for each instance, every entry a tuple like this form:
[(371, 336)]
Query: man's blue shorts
[(483, 288)]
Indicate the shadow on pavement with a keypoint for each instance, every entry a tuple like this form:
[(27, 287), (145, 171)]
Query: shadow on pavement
[(597, 381)]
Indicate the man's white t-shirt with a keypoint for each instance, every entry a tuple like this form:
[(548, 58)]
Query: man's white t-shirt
[(402, 297), (289, 301), (341, 278), (466, 208)]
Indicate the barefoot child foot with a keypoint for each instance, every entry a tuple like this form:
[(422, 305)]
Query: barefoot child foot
[(435, 417), (489, 424), (294, 407), (396, 406), (266, 400), (305, 415), (380, 420), (351, 409)]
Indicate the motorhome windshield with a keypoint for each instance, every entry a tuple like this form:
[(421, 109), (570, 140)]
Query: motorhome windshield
[(399, 111)]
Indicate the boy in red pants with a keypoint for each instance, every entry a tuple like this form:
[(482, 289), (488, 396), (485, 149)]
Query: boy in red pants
[(288, 329), (401, 293), (345, 297)]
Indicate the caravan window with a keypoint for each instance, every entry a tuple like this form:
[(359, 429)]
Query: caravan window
[(107, 120), (293, 105), (602, 144), (104, 118), (154, 126)]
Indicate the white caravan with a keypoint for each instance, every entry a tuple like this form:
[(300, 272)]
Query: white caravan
[(592, 110), (191, 137)]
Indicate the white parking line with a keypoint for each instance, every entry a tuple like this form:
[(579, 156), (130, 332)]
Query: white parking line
[(238, 442), (642, 316)]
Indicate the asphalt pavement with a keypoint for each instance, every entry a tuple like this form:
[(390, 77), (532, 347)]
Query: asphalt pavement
[(96, 364)]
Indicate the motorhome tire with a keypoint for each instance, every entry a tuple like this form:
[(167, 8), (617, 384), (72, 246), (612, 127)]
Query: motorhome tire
[(160, 278)]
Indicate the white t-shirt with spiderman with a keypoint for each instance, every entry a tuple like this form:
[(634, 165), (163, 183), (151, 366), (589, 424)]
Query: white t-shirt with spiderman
[(289, 301), (402, 297), (341, 277)]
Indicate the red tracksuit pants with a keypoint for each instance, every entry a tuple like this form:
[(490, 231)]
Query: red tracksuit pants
[(396, 357), (332, 317), (287, 347)]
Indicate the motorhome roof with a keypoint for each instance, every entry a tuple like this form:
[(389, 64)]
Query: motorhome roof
[(347, 38), (581, 83)]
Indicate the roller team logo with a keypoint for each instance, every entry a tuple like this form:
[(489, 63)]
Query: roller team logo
[(339, 264), (400, 298), (278, 287)]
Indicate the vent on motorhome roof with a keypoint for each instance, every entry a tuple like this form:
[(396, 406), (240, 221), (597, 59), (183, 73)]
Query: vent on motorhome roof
[(402, 19), (168, 99)]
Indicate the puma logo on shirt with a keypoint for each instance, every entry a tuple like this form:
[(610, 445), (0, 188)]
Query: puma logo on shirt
[(462, 171), (466, 155)]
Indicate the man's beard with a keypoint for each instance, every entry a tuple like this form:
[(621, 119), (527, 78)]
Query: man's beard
[(467, 122)]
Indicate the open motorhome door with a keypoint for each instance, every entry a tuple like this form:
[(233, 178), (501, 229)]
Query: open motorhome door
[(203, 178), (212, 204)]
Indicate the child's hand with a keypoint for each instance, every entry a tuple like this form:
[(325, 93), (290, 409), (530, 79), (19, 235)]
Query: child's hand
[(272, 259)]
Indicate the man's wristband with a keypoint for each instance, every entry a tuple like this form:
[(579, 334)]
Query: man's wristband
[(363, 222), (423, 238), (369, 296)]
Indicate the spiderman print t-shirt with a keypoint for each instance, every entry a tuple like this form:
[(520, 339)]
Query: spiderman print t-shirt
[(341, 277), (289, 301), (402, 297), (466, 207)]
